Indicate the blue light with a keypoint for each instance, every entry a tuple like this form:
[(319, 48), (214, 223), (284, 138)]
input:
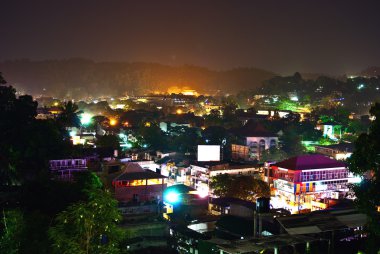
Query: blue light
[(172, 197), (361, 86)]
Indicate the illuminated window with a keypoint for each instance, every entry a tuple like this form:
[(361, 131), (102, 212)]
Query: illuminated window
[(137, 183), (154, 181)]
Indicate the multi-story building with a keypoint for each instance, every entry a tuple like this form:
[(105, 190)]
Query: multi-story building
[(202, 172), (136, 184), (64, 169), (303, 182), (254, 139)]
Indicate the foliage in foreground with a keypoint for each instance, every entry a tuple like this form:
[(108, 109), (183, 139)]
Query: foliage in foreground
[(12, 224), (88, 227), (365, 162)]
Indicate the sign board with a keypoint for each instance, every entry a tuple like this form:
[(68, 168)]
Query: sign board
[(208, 153)]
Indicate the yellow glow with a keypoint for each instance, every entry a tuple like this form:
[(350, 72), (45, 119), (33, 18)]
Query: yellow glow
[(56, 103), (147, 124), (113, 121), (137, 183), (154, 181), (179, 111), (182, 90), (189, 92), (77, 140)]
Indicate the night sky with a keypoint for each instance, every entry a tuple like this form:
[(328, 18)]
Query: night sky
[(283, 36)]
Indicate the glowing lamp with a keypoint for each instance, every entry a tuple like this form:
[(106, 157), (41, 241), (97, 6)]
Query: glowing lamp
[(113, 122), (179, 111), (85, 119), (203, 193), (172, 197)]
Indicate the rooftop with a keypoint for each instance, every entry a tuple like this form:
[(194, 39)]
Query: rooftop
[(343, 147), (228, 201), (134, 171), (313, 161), (322, 221), (253, 129), (180, 188)]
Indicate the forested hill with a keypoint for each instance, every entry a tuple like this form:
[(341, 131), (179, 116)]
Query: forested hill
[(79, 77)]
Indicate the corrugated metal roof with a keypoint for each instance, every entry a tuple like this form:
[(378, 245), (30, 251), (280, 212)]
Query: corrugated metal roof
[(322, 221)]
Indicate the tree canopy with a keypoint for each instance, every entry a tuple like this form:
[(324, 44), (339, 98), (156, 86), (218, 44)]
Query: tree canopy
[(88, 227), (24, 148), (11, 225), (239, 186)]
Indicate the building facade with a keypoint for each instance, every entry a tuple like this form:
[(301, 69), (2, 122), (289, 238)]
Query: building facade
[(138, 185), (201, 173), (304, 182), (64, 169), (255, 139)]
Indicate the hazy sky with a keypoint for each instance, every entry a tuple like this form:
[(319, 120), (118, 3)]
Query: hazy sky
[(332, 36)]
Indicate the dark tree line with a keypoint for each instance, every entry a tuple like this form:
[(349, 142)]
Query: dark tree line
[(38, 213)]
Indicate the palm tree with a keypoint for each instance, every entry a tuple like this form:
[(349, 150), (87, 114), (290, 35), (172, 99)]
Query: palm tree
[(2, 80), (69, 116)]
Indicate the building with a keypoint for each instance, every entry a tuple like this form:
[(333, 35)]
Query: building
[(136, 184), (232, 206), (308, 182), (202, 172), (254, 139), (64, 169), (317, 232), (330, 130), (337, 151), (168, 126)]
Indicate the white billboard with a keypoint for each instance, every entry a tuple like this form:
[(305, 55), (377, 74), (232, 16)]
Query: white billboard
[(208, 153)]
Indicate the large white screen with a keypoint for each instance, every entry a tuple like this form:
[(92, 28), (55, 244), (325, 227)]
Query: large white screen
[(208, 153)]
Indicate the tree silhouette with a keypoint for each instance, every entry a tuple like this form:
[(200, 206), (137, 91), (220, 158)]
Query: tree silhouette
[(366, 161), (2, 80), (69, 116)]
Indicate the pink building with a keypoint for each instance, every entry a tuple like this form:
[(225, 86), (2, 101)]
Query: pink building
[(307, 179)]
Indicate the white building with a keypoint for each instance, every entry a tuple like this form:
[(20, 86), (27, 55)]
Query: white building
[(255, 140)]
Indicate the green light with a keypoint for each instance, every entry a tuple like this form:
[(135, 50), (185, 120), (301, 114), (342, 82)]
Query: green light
[(85, 119)]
